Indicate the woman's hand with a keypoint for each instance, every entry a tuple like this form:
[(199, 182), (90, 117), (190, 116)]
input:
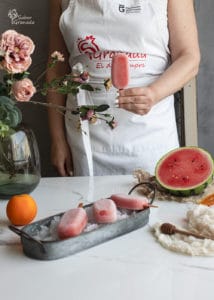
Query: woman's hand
[(61, 158), (138, 100)]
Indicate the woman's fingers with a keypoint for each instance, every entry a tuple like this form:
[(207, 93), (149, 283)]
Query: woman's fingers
[(141, 108), (136, 100), (61, 158), (138, 91), (68, 167), (136, 104), (61, 170)]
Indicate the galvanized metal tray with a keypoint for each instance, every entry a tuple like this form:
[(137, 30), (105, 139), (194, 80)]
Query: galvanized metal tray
[(55, 249)]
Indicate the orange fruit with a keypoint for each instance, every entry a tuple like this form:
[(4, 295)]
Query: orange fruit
[(208, 200), (21, 209)]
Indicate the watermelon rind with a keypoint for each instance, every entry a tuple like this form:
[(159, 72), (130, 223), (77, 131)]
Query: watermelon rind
[(186, 191)]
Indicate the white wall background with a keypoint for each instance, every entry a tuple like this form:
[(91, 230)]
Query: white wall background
[(205, 79)]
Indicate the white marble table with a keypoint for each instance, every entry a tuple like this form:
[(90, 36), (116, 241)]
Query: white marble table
[(131, 267)]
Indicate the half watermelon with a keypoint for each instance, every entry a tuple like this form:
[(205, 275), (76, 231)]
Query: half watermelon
[(185, 171)]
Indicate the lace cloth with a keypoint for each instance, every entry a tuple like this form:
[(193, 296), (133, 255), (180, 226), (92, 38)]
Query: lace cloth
[(161, 194)]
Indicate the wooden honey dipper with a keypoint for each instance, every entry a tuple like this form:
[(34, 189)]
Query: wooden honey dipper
[(170, 229)]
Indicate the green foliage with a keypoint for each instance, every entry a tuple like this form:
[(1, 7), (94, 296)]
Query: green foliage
[(10, 114), (66, 85), (3, 90), (13, 89), (102, 107), (87, 87)]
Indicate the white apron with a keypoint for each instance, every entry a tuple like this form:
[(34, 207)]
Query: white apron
[(93, 30)]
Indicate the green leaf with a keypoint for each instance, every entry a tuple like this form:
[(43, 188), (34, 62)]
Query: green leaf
[(9, 82), (93, 107), (102, 107), (75, 112), (44, 92), (10, 114), (62, 90), (7, 101), (45, 85), (107, 115), (87, 87), (54, 83), (83, 110), (74, 91), (3, 89), (6, 76), (4, 130), (20, 76), (73, 84)]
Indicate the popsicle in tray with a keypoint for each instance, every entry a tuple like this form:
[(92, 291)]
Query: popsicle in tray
[(130, 202), (72, 223), (105, 211), (120, 71)]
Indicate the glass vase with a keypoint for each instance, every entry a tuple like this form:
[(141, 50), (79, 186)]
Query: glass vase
[(19, 163)]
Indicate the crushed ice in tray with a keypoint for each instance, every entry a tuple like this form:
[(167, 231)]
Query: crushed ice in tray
[(49, 232)]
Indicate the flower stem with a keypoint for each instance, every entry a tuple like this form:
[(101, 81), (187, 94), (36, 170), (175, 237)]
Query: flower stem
[(61, 107), (40, 76)]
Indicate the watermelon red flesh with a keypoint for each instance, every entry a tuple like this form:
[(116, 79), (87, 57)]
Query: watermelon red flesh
[(185, 168)]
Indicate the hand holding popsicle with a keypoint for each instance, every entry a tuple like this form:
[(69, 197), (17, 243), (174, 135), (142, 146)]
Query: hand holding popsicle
[(138, 100)]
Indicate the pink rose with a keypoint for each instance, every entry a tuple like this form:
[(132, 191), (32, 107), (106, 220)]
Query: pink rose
[(84, 76), (90, 114), (23, 89), (17, 49)]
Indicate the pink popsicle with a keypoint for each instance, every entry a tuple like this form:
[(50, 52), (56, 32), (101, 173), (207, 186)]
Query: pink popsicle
[(130, 202), (72, 223), (120, 71), (105, 211)]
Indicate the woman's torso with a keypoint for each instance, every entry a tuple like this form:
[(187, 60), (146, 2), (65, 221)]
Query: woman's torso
[(93, 31)]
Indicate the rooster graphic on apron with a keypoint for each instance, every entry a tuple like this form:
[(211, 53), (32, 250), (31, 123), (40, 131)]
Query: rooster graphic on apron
[(93, 31)]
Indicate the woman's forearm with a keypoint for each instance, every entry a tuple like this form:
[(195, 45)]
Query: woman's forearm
[(56, 118), (182, 70), (184, 48)]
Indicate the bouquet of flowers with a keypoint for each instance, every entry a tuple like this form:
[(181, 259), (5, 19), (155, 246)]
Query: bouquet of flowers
[(15, 59)]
